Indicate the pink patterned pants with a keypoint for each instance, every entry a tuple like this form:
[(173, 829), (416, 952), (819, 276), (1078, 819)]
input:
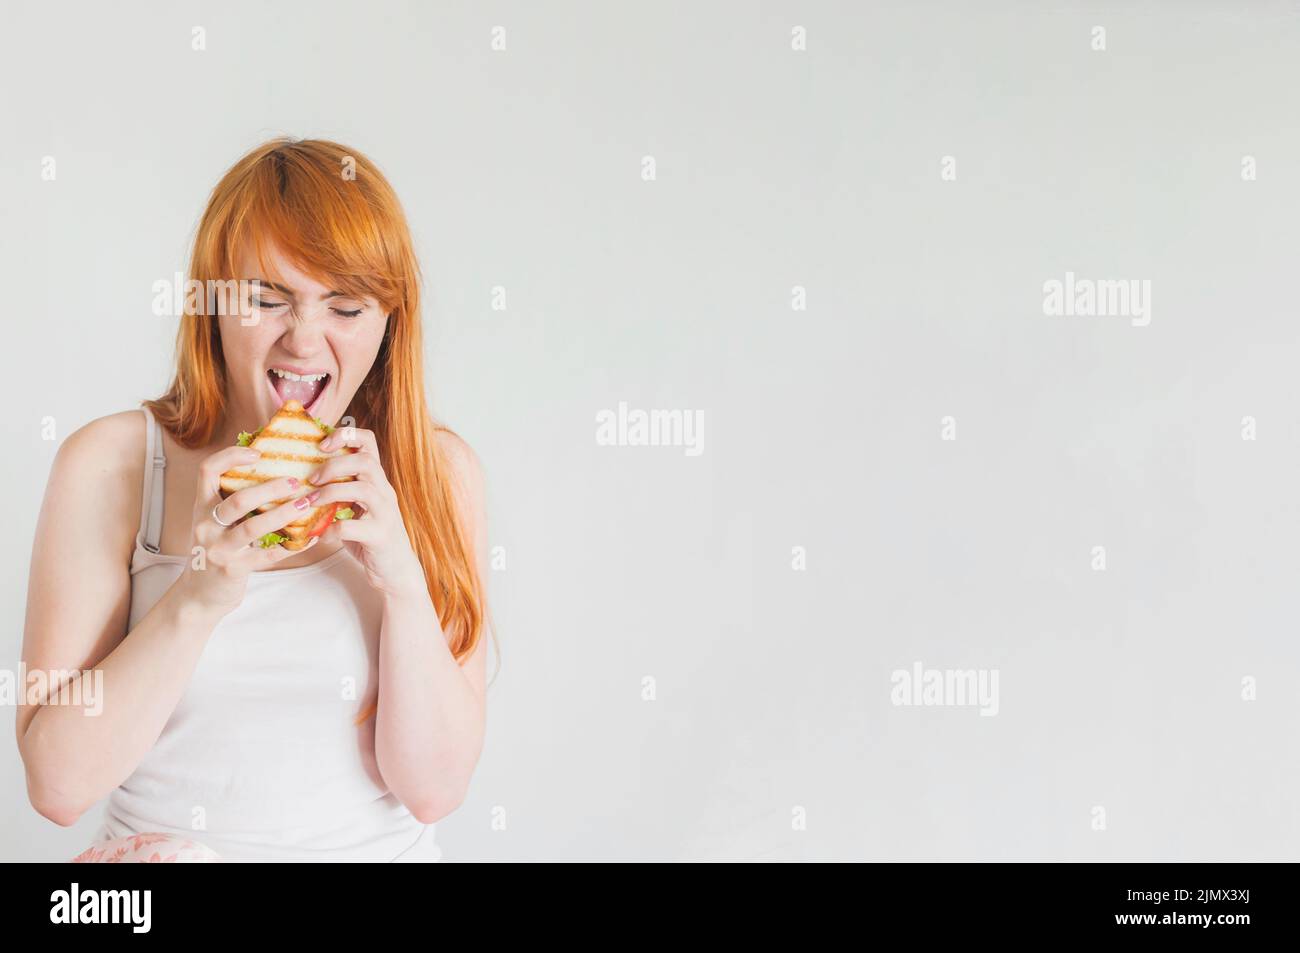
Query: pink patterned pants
[(148, 849)]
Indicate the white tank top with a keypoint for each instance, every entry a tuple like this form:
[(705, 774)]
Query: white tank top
[(261, 760)]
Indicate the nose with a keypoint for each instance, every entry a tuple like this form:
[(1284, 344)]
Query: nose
[(302, 338)]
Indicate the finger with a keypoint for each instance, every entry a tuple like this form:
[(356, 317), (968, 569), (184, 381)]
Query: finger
[(365, 532), (210, 470), (356, 437), (255, 527), (359, 465), (355, 492), (242, 502)]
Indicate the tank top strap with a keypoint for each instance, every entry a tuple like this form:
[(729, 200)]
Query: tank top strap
[(151, 500)]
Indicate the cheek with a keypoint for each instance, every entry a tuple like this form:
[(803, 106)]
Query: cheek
[(356, 345), (245, 345)]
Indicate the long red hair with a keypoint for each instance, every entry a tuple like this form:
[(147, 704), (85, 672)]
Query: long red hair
[(331, 212)]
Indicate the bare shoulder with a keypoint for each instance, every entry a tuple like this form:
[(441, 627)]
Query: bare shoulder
[(467, 483), (106, 444), (108, 451), (464, 464), (97, 473)]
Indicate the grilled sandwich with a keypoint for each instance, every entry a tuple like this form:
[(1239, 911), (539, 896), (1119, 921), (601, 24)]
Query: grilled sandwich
[(290, 447)]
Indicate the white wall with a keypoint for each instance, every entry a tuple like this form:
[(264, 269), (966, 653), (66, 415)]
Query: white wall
[(775, 168)]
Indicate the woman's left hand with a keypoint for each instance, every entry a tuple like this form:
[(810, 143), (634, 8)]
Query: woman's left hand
[(376, 535)]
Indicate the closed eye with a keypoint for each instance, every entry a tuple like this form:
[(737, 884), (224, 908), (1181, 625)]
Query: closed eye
[(265, 305)]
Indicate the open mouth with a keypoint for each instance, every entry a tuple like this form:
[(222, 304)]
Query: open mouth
[(306, 389)]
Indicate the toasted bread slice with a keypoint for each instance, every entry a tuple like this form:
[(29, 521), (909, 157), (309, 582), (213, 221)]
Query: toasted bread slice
[(290, 446)]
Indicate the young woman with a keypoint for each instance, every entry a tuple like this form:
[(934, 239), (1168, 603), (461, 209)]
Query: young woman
[(262, 703)]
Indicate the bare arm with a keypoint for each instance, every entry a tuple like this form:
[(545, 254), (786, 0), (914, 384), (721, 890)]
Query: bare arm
[(73, 759), (432, 710), (78, 603)]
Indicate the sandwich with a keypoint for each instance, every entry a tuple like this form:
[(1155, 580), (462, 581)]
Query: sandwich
[(290, 447)]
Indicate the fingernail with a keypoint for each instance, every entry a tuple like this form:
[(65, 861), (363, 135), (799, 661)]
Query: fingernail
[(293, 483), (311, 497), (251, 452)]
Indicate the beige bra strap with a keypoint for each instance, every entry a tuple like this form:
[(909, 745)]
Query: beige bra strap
[(151, 512)]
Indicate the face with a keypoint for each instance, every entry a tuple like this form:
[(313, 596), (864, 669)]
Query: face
[(298, 340)]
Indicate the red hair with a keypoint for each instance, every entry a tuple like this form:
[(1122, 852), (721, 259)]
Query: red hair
[(331, 212)]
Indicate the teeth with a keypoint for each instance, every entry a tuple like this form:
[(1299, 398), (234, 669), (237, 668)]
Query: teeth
[(291, 376)]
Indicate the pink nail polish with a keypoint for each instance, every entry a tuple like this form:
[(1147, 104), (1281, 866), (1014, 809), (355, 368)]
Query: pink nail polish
[(293, 483), (312, 497), (301, 503)]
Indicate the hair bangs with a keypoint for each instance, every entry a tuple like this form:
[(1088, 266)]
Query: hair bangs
[(300, 205)]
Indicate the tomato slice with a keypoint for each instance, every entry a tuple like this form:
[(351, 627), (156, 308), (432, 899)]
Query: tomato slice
[(327, 512), (324, 519)]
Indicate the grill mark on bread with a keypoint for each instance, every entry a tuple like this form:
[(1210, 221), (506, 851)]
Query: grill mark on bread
[(300, 465)]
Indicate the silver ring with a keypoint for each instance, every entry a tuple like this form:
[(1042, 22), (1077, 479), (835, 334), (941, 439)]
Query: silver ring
[(218, 518)]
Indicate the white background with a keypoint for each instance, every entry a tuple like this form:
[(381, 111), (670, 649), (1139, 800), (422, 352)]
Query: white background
[(775, 168)]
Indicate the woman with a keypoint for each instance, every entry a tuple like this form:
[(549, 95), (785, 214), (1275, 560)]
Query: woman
[(262, 703)]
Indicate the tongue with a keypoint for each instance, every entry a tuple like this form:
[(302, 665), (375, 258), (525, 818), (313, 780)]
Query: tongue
[(304, 392)]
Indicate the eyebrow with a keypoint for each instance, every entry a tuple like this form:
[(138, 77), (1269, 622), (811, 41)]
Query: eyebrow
[(262, 283)]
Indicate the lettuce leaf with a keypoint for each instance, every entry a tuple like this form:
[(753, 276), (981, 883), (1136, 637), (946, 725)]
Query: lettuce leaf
[(246, 438), (344, 514), (271, 539)]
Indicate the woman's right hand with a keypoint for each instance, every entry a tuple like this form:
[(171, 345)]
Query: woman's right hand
[(228, 553)]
